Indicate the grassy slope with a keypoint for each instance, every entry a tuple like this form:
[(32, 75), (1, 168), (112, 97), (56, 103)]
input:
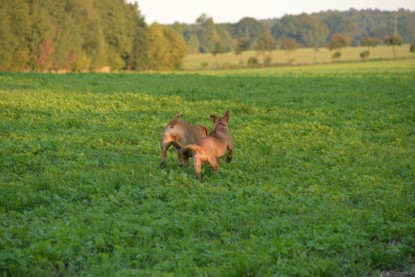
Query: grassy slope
[(322, 181)]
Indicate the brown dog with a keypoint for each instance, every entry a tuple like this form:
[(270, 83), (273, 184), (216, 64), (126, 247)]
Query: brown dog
[(212, 147), (180, 131)]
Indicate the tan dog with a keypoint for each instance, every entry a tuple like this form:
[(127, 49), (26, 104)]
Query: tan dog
[(212, 147), (180, 131)]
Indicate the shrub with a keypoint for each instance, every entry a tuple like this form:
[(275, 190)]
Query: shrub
[(336, 55), (252, 62), (364, 55)]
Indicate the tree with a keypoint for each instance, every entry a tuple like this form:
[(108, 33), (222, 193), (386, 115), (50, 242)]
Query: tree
[(193, 44), (248, 31), (118, 24), (225, 37), (218, 47), (177, 47), (305, 29), (338, 41), (166, 48), (87, 21), (157, 53), (136, 58), (405, 22), (41, 31), (265, 43), (288, 44), (412, 48), (46, 51), (393, 40), (68, 54), (241, 45), (14, 44), (316, 34), (340, 23), (370, 41), (206, 33)]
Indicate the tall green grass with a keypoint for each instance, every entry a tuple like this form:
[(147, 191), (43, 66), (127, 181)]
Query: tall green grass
[(322, 181)]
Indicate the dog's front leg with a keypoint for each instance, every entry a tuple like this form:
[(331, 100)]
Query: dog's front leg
[(183, 156), (186, 157)]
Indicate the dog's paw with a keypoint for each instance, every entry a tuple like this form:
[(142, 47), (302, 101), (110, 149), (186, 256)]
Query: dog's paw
[(228, 159)]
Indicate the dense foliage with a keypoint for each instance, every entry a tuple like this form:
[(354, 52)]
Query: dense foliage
[(78, 35), (104, 35), (322, 181), (306, 30)]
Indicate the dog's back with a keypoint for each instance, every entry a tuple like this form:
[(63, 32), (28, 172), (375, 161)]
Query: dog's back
[(178, 130)]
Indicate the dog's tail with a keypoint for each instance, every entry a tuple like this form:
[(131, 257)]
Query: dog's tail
[(194, 147)]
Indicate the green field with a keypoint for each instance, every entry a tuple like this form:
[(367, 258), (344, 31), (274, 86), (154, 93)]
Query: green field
[(322, 182), (302, 56)]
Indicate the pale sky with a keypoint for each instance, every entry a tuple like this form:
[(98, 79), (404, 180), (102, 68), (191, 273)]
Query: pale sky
[(231, 11)]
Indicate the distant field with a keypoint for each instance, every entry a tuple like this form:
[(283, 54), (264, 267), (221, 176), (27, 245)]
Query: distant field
[(297, 57), (405, 66), (322, 181)]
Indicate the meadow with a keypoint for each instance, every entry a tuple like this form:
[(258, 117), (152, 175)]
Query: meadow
[(301, 56), (322, 182)]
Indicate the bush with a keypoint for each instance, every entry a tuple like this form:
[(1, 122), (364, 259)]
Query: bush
[(336, 55), (364, 55), (252, 62)]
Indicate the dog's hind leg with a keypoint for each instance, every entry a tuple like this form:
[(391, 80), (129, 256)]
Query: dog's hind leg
[(164, 148), (230, 153), (214, 162), (197, 163)]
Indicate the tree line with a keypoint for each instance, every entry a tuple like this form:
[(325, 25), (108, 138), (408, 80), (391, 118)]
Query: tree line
[(357, 27), (83, 35), (100, 35)]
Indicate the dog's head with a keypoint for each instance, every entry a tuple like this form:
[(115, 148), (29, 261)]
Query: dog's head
[(220, 121)]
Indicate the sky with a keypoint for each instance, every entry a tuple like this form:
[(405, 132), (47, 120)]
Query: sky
[(231, 11)]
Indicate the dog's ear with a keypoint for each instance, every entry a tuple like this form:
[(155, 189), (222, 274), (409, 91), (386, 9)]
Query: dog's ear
[(213, 117), (226, 116)]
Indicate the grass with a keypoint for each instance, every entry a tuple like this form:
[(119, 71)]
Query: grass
[(322, 181), (302, 56)]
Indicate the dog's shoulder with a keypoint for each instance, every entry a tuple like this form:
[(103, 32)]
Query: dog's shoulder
[(220, 133)]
